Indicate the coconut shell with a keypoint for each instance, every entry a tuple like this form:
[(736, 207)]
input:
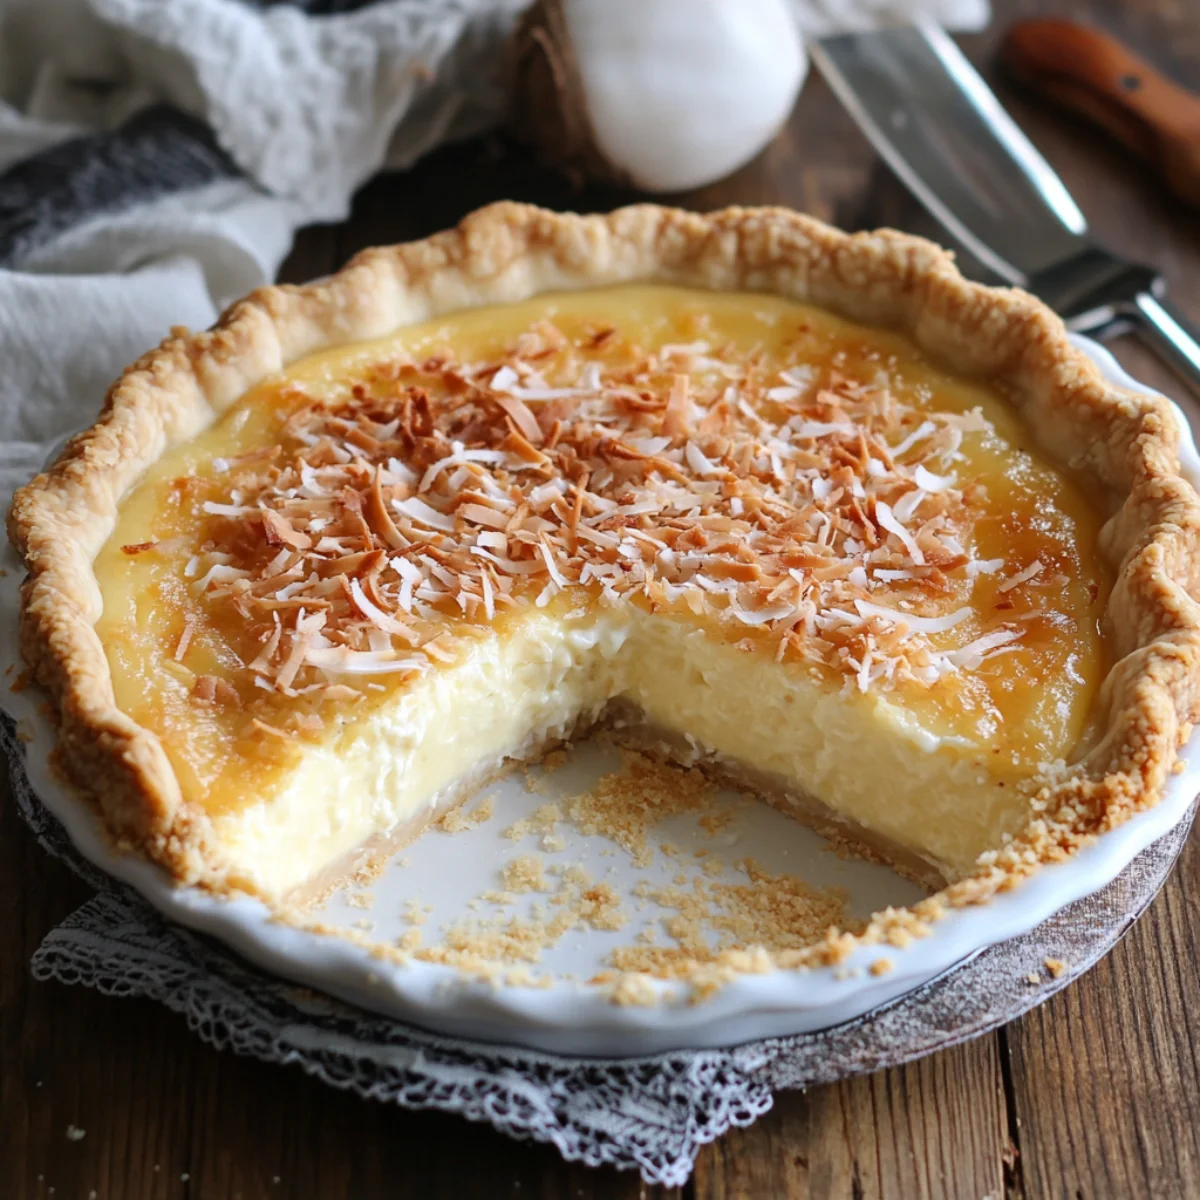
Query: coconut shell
[(549, 107)]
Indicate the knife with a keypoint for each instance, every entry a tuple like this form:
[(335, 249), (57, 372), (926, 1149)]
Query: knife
[(935, 122)]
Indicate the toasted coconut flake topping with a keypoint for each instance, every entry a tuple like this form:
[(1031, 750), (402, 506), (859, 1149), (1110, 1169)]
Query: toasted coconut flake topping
[(675, 415), (906, 621), (1030, 572), (815, 514), (185, 638)]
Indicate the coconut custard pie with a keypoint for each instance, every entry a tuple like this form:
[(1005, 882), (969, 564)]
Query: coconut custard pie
[(806, 507)]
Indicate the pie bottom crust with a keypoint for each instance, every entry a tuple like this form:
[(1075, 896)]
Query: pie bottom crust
[(1125, 444)]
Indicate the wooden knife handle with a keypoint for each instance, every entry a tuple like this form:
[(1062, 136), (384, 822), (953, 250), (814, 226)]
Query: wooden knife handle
[(1094, 75)]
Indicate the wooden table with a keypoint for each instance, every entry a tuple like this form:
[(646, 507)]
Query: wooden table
[(1096, 1094)]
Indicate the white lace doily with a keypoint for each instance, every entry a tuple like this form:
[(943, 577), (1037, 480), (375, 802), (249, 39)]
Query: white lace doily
[(652, 1114)]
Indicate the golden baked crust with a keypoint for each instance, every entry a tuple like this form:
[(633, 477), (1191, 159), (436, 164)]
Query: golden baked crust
[(1125, 442)]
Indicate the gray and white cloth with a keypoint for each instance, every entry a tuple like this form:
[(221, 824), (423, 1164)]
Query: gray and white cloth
[(156, 158), (160, 154)]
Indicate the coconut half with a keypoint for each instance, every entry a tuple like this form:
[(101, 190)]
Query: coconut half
[(661, 95)]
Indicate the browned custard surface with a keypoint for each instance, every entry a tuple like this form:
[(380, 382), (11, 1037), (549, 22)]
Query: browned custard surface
[(724, 491)]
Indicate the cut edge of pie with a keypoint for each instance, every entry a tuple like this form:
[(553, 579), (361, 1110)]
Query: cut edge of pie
[(1126, 442)]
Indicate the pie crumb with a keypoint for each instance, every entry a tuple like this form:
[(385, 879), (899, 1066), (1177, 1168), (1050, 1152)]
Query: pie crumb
[(624, 805), (600, 907), (459, 821), (543, 821), (525, 874)]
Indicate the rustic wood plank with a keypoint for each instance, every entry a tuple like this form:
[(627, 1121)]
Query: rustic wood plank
[(316, 251), (936, 1128), (1106, 1076), (456, 180), (1101, 1087)]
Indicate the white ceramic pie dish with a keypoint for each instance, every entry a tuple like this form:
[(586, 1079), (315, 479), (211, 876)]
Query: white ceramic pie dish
[(575, 1018)]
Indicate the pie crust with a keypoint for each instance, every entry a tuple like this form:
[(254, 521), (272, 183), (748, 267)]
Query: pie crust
[(1125, 444)]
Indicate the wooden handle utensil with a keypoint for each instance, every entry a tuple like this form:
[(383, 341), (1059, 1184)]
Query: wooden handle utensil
[(1095, 76)]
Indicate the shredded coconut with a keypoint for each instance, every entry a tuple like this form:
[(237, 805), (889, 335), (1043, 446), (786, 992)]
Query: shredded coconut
[(436, 496)]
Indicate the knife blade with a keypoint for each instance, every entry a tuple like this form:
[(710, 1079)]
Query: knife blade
[(933, 119)]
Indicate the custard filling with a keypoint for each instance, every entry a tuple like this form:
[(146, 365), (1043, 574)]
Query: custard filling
[(789, 538)]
